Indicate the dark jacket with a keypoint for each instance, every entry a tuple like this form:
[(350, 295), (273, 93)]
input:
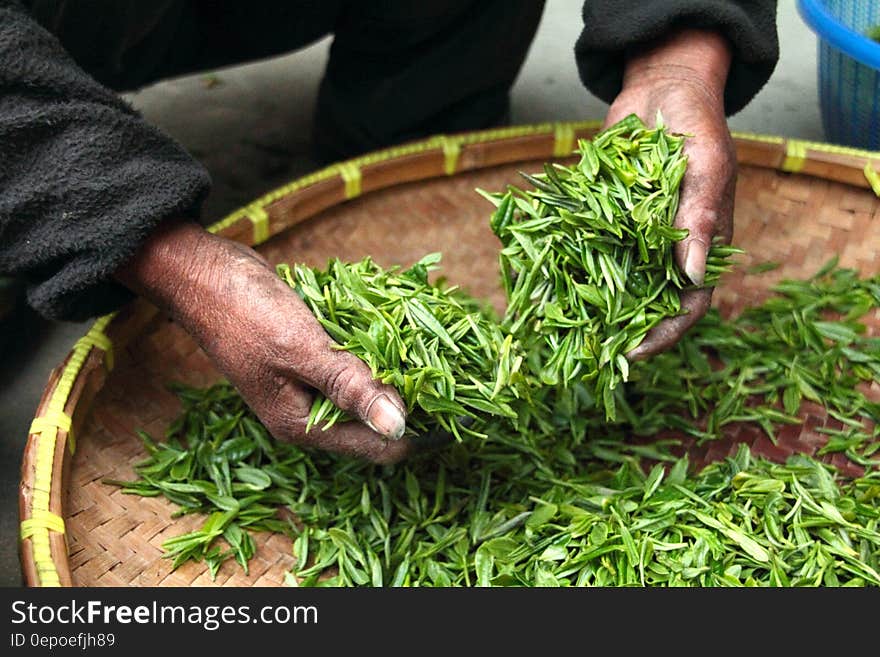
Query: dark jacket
[(84, 179)]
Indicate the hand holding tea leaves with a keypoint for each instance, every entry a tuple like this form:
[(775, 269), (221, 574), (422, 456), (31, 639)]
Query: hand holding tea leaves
[(684, 76), (587, 257), (453, 365), (265, 340)]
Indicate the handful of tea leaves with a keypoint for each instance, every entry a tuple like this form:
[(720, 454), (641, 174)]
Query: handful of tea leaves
[(445, 354), (587, 260)]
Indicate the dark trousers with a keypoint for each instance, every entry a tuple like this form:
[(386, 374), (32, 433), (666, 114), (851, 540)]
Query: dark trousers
[(398, 69)]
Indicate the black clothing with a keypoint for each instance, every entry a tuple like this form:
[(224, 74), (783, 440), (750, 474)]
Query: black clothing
[(84, 179), (613, 26)]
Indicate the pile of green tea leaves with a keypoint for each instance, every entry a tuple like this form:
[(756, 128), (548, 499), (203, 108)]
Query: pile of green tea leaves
[(444, 352), (510, 510), (587, 260)]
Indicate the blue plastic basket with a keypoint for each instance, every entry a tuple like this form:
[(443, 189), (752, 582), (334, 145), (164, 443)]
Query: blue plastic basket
[(849, 69)]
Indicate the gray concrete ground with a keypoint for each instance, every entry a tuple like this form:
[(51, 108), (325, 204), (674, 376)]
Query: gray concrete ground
[(249, 125)]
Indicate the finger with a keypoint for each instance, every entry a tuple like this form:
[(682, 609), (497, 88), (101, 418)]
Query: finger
[(612, 117), (287, 418), (615, 114), (348, 382), (706, 203), (293, 346), (303, 351), (670, 330), (248, 252), (359, 441)]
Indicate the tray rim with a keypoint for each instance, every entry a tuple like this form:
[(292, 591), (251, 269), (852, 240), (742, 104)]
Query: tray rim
[(72, 385)]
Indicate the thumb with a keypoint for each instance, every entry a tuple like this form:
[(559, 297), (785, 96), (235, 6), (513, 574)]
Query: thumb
[(706, 206), (348, 382)]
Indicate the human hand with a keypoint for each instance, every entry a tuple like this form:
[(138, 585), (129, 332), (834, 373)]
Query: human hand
[(684, 76), (265, 340)]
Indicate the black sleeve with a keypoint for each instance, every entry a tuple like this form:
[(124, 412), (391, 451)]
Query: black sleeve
[(83, 178), (613, 26)]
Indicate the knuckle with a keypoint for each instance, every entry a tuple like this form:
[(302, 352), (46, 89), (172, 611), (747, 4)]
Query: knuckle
[(703, 225), (342, 384), (284, 411), (338, 382)]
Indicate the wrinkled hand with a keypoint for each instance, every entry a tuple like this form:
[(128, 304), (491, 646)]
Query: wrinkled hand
[(265, 340), (684, 78)]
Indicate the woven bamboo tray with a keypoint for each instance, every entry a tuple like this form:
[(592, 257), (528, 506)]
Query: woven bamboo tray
[(797, 203)]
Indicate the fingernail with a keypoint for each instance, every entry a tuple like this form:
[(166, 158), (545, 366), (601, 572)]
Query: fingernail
[(385, 418), (695, 262)]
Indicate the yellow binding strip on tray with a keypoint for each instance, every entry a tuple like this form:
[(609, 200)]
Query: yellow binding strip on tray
[(227, 221), (260, 219), (46, 431), (838, 150), (751, 136), (512, 132), (796, 152), (451, 150), (351, 174), (97, 338), (53, 419), (563, 139), (42, 520), (795, 155), (872, 177)]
